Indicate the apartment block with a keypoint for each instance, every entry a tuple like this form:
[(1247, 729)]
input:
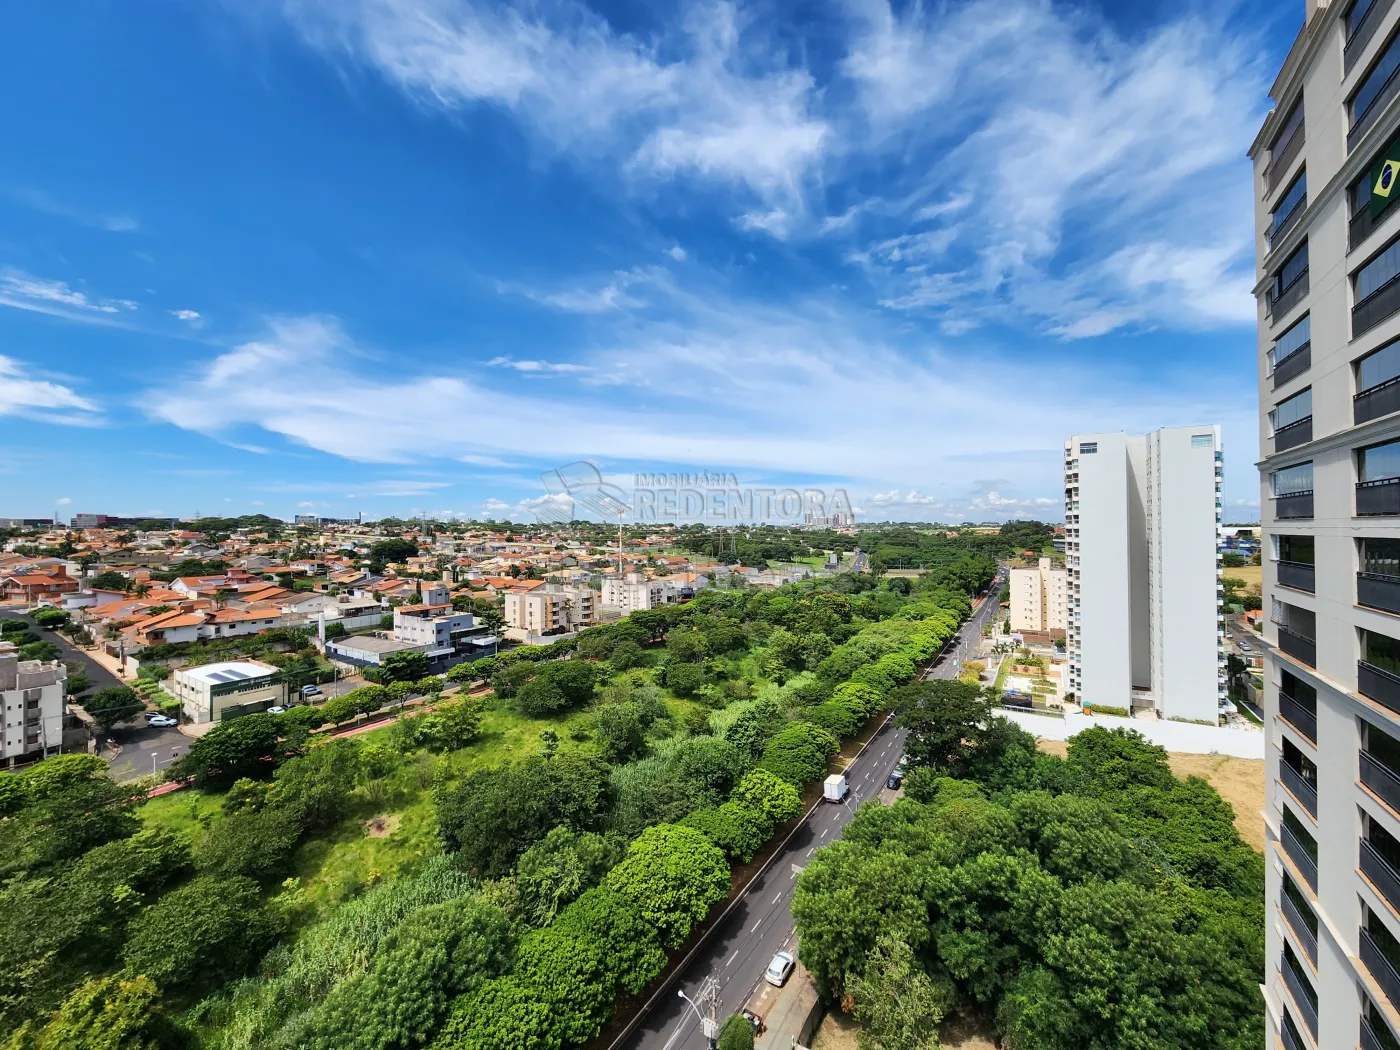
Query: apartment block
[(634, 592), (1040, 598), (31, 706), (1142, 526), (550, 608), (1327, 244)]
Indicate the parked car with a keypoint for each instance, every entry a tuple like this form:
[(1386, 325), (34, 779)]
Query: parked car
[(276, 709), (310, 690), (1245, 646), (162, 722), (779, 970), (896, 778)]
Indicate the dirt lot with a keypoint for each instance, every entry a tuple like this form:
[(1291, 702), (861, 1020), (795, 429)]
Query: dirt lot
[(1240, 782), (1253, 576), (839, 1032)]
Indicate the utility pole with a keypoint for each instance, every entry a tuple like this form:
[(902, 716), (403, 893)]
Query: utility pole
[(706, 1005)]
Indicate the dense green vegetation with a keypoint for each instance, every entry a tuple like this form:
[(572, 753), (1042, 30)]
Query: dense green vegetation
[(492, 872), (1092, 902)]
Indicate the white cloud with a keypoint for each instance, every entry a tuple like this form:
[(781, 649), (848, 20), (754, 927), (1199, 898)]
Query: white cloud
[(697, 101), (676, 252), (1122, 167), (45, 202), (23, 291), (534, 367), (41, 399), (402, 487), (723, 384), (611, 295), (63, 501), (185, 315)]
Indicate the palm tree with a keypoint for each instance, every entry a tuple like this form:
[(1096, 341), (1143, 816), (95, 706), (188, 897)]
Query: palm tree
[(141, 589)]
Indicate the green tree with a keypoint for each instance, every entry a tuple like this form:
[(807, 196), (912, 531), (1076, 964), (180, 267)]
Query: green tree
[(107, 1013), (112, 705), (733, 827), (685, 679), (770, 795), (110, 581), (390, 552), (539, 698), (250, 746), (799, 752), (208, 930), (673, 875), (406, 666), (555, 870), (944, 719), (619, 734), (737, 1033), (896, 1003)]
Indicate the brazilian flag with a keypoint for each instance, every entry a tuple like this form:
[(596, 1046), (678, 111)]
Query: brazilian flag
[(1385, 179)]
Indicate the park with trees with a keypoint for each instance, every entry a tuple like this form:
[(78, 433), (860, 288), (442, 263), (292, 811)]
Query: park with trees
[(500, 866)]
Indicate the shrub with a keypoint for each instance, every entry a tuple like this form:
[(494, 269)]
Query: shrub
[(799, 752), (672, 875)]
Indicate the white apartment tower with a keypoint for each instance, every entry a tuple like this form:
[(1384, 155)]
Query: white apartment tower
[(1329, 436), (1039, 598), (1142, 526)]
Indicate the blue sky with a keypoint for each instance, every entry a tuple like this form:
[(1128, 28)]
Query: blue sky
[(401, 256)]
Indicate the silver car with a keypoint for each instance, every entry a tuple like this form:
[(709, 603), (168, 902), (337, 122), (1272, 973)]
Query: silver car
[(780, 969)]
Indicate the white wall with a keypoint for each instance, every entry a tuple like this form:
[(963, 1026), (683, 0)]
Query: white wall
[(1185, 737), (1105, 654)]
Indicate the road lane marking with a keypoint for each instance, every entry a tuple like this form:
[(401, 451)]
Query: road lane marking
[(733, 957), (777, 898), (757, 925), (824, 832)]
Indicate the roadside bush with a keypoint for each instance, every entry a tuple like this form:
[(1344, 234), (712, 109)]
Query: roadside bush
[(763, 792), (672, 875), (836, 718), (799, 752), (733, 827)]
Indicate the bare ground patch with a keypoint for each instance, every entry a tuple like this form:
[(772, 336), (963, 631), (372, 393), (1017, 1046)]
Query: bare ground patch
[(382, 827)]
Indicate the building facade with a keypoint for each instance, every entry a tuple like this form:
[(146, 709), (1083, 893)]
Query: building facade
[(634, 592), (1040, 598), (1329, 435), (1142, 524), (31, 707), (213, 692), (551, 608)]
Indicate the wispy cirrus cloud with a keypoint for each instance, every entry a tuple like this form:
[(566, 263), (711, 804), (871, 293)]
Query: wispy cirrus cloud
[(39, 200), (21, 394), (23, 291)]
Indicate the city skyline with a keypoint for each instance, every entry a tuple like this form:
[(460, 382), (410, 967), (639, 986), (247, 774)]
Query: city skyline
[(317, 263)]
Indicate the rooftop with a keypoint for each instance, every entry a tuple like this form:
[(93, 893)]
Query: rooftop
[(229, 671)]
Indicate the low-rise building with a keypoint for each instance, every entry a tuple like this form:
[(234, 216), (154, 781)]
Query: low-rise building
[(31, 705), (213, 692), (1040, 598), (551, 609)]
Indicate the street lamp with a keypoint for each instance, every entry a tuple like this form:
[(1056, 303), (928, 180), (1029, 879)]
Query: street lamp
[(709, 1026)]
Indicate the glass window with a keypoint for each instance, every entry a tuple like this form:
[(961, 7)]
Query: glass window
[(1381, 557), (1291, 270), (1380, 651), (1284, 208), (1375, 80), (1378, 272), (1299, 829), (1382, 746), (1300, 621), (1379, 462), (1087, 447), (1380, 1028), (1378, 367), (1298, 549), (1296, 409), (1293, 686), (1202, 440), (1292, 479), (1291, 341), (1290, 125), (1300, 901)]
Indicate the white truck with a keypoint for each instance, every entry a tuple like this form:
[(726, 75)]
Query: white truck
[(835, 788)]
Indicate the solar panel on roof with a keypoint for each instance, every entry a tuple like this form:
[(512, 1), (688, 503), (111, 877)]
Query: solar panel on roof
[(222, 676)]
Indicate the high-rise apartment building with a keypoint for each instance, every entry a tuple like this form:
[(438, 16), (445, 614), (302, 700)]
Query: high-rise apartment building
[(1040, 598), (1325, 166), (1142, 526)]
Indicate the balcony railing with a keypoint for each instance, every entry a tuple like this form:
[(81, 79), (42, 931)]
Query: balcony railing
[(1376, 307), (1290, 1041), (1378, 684), (1289, 298), (1363, 34), (1300, 928), (1299, 575), (1378, 497), (1285, 223), (1298, 787), (1380, 400), (1303, 994), (1362, 224), (1377, 591), (1295, 364), (1293, 435), (1373, 112), (1383, 877), (1380, 779), (1380, 967), (1296, 646), (1283, 155), (1294, 505), (1298, 854), (1298, 716)]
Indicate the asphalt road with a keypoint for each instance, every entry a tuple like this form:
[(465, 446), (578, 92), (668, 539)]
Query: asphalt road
[(739, 950)]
